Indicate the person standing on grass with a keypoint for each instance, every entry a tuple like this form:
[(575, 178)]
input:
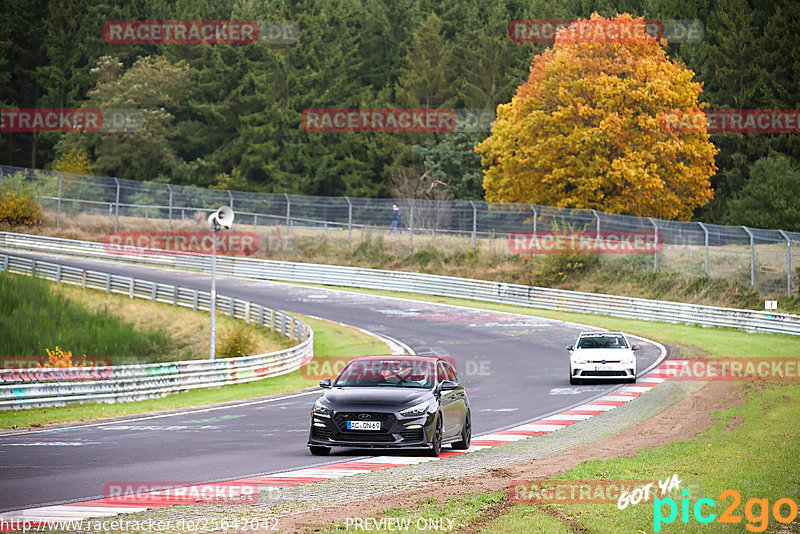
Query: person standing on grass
[(397, 220)]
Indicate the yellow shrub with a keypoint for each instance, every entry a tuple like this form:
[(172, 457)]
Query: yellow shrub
[(20, 208)]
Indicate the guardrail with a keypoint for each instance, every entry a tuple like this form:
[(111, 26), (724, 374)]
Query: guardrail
[(27, 388), (483, 290)]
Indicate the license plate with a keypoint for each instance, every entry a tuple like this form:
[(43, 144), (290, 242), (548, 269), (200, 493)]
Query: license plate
[(363, 425)]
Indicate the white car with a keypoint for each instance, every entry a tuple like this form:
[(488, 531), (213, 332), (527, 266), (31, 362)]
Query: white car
[(602, 355)]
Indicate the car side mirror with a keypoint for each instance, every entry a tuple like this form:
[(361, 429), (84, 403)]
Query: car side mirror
[(570, 348), (635, 347), (448, 385), (325, 383)]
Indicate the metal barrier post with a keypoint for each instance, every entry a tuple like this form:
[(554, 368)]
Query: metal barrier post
[(752, 257), (597, 228), (170, 205), (535, 216), (474, 225), (116, 209), (349, 222), (411, 226), (58, 209), (655, 250), (288, 220), (788, 263), (705, 231), (213, 306)]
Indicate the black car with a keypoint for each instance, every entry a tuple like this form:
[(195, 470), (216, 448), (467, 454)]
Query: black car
[(392, 402)]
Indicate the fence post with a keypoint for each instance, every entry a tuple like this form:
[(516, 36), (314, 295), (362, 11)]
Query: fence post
[(1, 177), (655, 250), (170, 205), (474, 225), (705, 231), (411, 226), (788, 263), (58, 208), (116, 209), (288, 220), (535, 216), (597, 228), (752, 257), (349, 222)]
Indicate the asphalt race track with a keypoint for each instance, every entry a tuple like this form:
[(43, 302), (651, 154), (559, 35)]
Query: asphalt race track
[(514, 367)]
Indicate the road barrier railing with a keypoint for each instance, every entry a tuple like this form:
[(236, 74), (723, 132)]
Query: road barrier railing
[(483, 290), (58, 386)]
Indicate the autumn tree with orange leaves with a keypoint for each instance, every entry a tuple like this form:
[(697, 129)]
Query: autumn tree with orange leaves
[(585, 130)]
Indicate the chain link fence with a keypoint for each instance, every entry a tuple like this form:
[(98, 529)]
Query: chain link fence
[(769, 260)]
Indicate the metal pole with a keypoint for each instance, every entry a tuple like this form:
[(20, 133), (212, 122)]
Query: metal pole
[(170, 205), (597, 230), (58, 209), (705, 230), (213, 309), (474, 225), (288, 220), (116, 209), (535, 217), (655, 250), (752, 257), (788, 263), (1, 177), (411, 226), (349, 222)]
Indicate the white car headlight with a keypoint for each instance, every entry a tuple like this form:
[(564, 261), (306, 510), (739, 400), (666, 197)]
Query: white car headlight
[(321, 409), (419, 409)]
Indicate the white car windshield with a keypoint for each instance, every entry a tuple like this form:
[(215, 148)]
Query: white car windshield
[(603, 341)]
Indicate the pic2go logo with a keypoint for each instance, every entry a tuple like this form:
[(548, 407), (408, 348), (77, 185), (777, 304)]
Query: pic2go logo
[(783, 510)]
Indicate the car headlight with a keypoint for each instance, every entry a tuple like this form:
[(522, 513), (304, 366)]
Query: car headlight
[(419, 409), (321, 409)]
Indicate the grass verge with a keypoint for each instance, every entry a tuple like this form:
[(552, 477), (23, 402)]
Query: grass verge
[(330, 339)]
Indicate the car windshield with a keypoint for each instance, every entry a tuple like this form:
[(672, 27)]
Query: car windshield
[(387, 373), (603, 341)]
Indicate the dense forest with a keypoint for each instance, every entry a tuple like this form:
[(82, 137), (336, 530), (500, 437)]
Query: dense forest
[(229, 115)]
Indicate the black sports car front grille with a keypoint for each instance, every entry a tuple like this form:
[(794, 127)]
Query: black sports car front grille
[(321, 433), (365, 436), (341, 418)]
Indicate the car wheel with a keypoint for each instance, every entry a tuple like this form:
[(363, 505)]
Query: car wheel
[(466, 434), (316, 450), (632, 380), (436, 442), (574, 381)]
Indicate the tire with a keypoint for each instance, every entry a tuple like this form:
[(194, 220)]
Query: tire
[(574, 381), (466, 434), (436, 442), (632, 380), (317, 450)]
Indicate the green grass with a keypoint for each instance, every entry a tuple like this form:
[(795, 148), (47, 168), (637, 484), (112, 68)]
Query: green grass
[(760, 459), (330, 339), (33, 318)]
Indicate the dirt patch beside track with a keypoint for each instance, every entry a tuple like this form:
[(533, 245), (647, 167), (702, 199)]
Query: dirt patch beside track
[(688, 418)]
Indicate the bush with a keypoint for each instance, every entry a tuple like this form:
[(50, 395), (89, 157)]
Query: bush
[(237, 341), (552, 269), (20, 208)]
